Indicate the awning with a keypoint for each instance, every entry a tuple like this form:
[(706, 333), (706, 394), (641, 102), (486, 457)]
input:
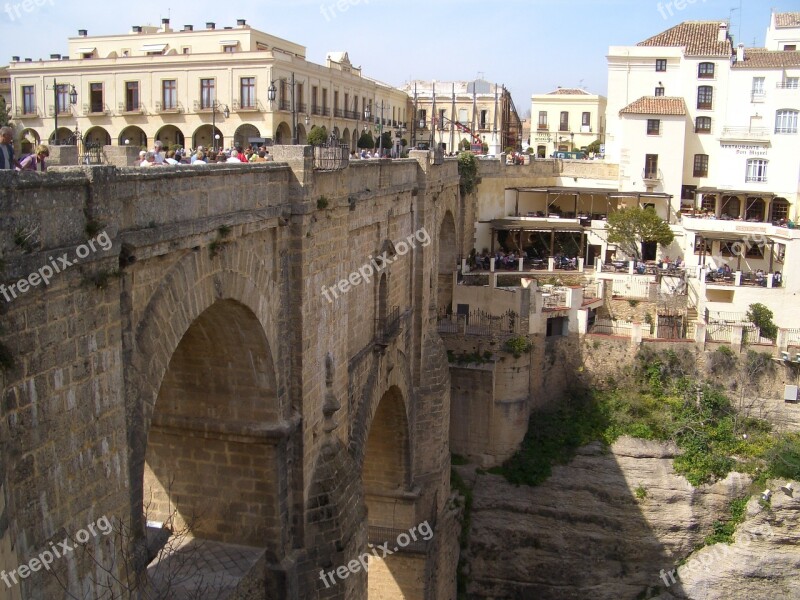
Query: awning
[(153, 47), (229, 43), (87, 50), (713, 190), (536, 224)]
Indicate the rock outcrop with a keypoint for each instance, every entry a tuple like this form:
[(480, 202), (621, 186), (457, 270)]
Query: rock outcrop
[(613, 525)]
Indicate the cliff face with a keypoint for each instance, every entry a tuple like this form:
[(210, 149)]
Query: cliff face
[(587, 533)]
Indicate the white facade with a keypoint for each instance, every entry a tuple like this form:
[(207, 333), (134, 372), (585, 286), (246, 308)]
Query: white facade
[(566, 119)]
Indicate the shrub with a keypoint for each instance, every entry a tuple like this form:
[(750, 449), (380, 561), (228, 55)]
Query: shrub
[(517, 345), (761, 317), (467, 172)]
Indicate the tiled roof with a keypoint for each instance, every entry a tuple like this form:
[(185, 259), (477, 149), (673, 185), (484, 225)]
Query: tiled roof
[(759, 58), (569, 92), (700, 38), (789, 19), (655, 105)]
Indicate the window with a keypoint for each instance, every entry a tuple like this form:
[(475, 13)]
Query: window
[(709, 203), (705, 97), (207, 93), (790, 83), (758, 87), (462, 116), (335, 99), (169, 94), (659, 91), (564, 122), (653, 126), (754, 251), (651, 166), (28, 100), (325, 101), (688, 192), (441, 118), (780, 210), (543, 120), (186, 50), (485, 116), (702, 125), (756, 170), (422, 117), (661, 64), (96, 97), (705, 70), (314, 100), (62, 98), (586, 119), (247, 92), (131, 96), (790, 47), (700, 165), (230, 49), (786, 121)]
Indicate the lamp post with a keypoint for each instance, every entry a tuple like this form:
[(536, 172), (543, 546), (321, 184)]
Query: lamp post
[(73, 100), (226, 112), (380, 128), (271, 94), (367, 115)]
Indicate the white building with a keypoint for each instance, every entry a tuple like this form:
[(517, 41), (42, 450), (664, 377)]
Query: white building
[(566, 119), (716, 125)]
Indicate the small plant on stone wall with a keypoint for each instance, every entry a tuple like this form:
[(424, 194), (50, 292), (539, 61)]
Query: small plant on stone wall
[(224, 231), (322, 203), (101, 279), (633, 303), (641, 492), (25, 237), (648, 318), (93, 227), (517, 345)]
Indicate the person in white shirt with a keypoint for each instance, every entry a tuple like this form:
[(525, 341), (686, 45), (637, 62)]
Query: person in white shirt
[(200, 150), (149, 160), (199, 158), (158, 156)]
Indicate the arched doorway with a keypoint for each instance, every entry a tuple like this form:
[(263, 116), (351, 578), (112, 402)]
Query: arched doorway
[(170, 135), (203, 137), (244, 133), (283, 135), (28, 140), (448, 259), (302, 136), (335, 133), (133, 136), (63, 137), (97, 136), (345, 136), (731, 207), (755, 209), (218, 390), (355, 139)]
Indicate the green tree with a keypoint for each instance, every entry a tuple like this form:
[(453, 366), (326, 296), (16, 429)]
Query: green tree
[(464, 145), (629, 227), (5, 112), (317, 136), (366, 140), (468, 172), (761, 317), (594, 147), (387, 140)]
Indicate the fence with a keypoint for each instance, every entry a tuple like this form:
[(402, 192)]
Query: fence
[(609, 327), (792, 337), (478, 322), (332, 156)]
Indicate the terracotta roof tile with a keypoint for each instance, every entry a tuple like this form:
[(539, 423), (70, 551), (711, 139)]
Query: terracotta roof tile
[(700, 38), (569, 92), (655, 105), (759, 58), (788, 19)]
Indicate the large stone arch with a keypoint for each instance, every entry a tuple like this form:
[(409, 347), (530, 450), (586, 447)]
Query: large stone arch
[(171, 135), (97, 135), (243, 134), (200, 282), (133, 136), (283, 134)]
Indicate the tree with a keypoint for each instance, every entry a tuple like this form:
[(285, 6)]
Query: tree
[(366, 140), (761, 317), (5, 112), (594, 147), (629, 227), (464, 145), (317, 136)]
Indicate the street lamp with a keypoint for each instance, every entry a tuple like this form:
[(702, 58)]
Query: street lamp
[(367, 115), (272, 92), (73, 100), (226, 112)]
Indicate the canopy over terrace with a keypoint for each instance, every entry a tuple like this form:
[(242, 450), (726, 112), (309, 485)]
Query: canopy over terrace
[(584, 203), (742, 246), (517, 227), (742, 205)]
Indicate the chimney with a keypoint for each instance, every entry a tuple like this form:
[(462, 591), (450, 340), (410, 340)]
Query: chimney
[(15, 59), (188, 27), (55, 57), (723, 32), (740, 53), (241, 23), (83, 32), (211, 25), (28, 60), (136, 29), (165, 25)]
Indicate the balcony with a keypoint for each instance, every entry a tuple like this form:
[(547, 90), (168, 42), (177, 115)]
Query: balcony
[(315, 110), (30, 111), (247, 107), (96, 109), (388, 327), (169, 108), (792, 84), (652, 176), (131, 109), (338, 112), (745, 134), (352, 114), (284, 104)]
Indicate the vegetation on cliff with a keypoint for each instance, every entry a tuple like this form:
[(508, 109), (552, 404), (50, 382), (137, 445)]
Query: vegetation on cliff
[(663, 397)]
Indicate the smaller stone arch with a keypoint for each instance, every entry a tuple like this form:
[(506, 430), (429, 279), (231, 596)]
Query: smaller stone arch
[(97, 135), (28, 140), (133, 136), (205, 136), (170, 135), (244, 133), (345, 139), (63, 137), (302, 136), (283, 134)]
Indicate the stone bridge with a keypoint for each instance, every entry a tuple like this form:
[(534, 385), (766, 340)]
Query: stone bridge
[(208, 361)]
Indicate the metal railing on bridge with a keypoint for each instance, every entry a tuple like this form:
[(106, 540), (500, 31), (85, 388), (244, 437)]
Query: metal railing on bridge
[(478, 322), (331, 156)]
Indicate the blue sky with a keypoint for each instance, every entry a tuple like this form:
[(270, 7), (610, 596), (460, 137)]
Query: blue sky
[(532, 46)]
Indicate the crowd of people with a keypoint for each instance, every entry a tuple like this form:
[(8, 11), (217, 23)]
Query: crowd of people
[(35, 161), (157, 157)]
